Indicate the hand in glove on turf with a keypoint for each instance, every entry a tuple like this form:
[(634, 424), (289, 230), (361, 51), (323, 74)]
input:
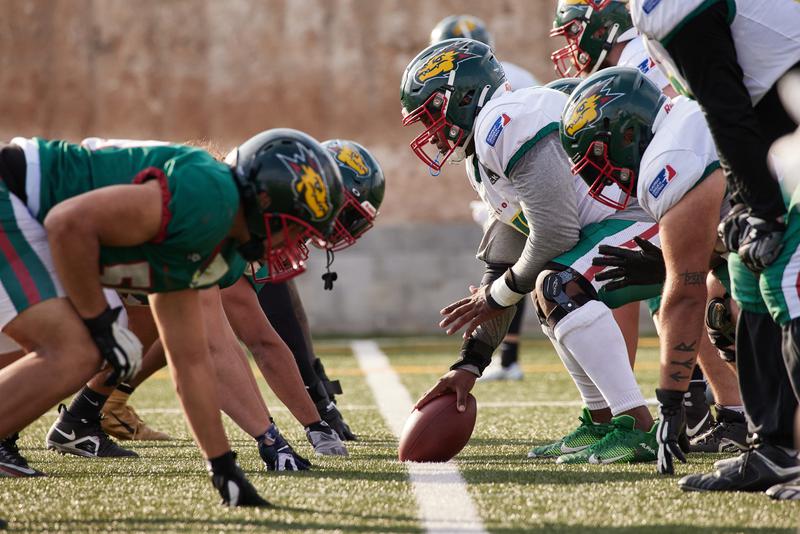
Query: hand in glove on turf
[(233, 486), (457, 381), (671, 436), (277, 454), (325, 440), (631, 267), (118, 346), (331, 415)]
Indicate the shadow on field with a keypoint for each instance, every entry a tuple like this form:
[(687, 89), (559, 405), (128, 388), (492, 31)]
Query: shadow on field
[(637, 529)]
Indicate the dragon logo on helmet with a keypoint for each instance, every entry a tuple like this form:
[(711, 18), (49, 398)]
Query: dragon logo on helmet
[(586, 111), (308, 182), (349, 157), (443, 62)]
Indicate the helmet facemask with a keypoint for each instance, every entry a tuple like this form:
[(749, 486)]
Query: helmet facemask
[(286, 251), (353, 221), (446, 136), (574, 59), (596, 169)]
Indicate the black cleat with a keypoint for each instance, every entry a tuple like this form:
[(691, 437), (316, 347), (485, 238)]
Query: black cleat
[(758, 469), (698, 415), (729, 434), (82, 437), (234, 488), (12, 463), (788, 491)]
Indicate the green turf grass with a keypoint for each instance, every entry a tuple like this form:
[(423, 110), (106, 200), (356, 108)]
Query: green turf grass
[(167, 490)]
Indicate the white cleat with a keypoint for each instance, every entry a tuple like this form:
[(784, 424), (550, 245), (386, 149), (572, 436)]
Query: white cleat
[(498, 372)]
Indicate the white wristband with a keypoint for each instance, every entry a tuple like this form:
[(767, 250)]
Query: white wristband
[(502, 294)]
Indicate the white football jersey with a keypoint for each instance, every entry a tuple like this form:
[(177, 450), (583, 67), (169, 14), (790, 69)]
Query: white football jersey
[(681, 154), (518, 77), (766, 34), (507, 128), (635, 55)]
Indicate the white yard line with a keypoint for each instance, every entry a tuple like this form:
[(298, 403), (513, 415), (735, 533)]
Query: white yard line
[(441, 492)]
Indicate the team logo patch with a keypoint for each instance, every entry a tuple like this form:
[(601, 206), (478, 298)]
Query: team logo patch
[(662, 180), (464, 27), (348, 157), (650, 5), (497, 129), (646, 65), (586, 111), (443, 62), (308, 184)]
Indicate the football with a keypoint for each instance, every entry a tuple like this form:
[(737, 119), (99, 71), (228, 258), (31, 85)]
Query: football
[(438, 431)]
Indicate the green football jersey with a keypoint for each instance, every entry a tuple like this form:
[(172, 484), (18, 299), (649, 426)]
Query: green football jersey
[(192, 249)]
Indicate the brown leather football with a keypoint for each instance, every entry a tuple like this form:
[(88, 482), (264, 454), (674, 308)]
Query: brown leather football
[(437, 432)]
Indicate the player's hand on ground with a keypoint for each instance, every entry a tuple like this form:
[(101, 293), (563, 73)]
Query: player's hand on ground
[(325, 440), (457, 381), (330, 414), (671, 426), (278, 455), (470, 312), (631, 267), (762, 243), (118, 346)]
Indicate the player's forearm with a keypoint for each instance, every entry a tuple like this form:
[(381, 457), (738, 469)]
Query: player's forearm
[(75, 248)]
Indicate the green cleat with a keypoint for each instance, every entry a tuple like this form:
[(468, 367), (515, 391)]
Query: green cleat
[(587, 434), (624, 444)]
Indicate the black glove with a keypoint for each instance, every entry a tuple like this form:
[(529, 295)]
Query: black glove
[(233, 486), (632, 267), (331, 415), (762, 243), (671, 436), (277, 454), (733, 226), (721, 328), (118, 346)]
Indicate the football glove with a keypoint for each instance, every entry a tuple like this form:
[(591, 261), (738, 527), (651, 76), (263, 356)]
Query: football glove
[(118, 346), (331, 415), (733, 226), (277, 454), (631, 267), (233, 486), (762, 242), (325, 440), (671, 434)]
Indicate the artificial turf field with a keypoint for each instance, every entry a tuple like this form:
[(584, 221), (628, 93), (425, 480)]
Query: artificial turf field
[(167, 489)]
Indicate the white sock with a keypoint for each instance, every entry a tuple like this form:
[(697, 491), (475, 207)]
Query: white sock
[(737, 408), (591, 396), (593, 338)]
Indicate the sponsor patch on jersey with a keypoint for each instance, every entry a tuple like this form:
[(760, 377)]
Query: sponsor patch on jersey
[(646, 65), (349, 157), (586, 110), (308, 184), (443, 62), (661, 181), (497, 129), (650, 5)]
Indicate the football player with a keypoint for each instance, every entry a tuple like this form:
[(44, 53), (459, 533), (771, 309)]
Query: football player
[(457, 91), (469, 27), (162, 220)]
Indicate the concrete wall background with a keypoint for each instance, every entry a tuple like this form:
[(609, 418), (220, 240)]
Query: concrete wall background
[(222, 70)]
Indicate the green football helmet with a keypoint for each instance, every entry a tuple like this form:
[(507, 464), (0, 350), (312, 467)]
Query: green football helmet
[(291, 193), (565, 85), (606, 126), (461, 26), (444, 88), (364, 186), (591, 28)]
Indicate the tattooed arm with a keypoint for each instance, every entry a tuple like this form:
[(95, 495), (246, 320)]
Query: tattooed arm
[(688, 234)]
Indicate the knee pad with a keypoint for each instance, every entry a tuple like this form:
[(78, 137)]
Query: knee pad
[(553, 290), (721, 327)]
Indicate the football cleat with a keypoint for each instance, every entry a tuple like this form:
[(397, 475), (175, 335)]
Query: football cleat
[(699, 419), (729, 434), (498, 372), (234, 488), (122, 422), (325, 440), (588, 433), (12, 463), (788, 491), (623, 444), (758, 469), (277, 454), (82, 437)]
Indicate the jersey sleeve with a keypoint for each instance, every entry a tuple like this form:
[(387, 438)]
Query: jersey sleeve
[(666, 178), (635, 55)]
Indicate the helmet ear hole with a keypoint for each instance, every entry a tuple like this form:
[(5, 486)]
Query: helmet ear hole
[(467, 99)]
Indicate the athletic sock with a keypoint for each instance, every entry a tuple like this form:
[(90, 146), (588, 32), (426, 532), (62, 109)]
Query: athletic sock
[(225, 463), (509, 352), (87, 404), (737, 408), (126, 388), (591, 396), (593, 338)]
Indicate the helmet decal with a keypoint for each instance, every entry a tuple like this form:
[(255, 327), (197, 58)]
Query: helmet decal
[(586, 111), (347, 156), (464, 27), (308, 182), (444, 61)]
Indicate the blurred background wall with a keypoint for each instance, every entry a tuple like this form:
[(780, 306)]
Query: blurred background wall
[(222, 70)]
